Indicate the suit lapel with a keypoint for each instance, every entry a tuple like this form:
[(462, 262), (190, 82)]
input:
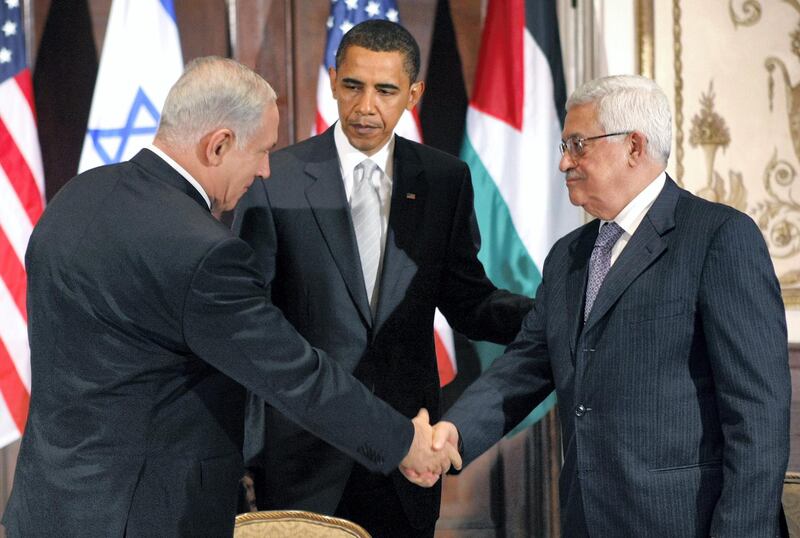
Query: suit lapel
[(409, 193), (642, 250), (328, 201), (580, 252)]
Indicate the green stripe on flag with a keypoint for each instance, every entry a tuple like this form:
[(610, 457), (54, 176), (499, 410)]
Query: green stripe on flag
[(504, 257), (502, 253)]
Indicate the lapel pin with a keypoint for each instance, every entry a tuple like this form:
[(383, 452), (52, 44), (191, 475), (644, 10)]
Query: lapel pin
[(411, 196)]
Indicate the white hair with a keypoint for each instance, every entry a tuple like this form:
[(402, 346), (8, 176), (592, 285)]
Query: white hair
[(628, 103), (214, 93)]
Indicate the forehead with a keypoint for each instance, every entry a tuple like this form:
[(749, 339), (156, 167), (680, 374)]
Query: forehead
[(581, 120), (370, 65)]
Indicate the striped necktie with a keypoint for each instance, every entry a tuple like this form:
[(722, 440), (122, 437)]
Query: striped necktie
[(365, 208)]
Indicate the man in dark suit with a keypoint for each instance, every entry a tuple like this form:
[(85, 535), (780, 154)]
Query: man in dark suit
[(362, 278), (662, 329), (146, 315)]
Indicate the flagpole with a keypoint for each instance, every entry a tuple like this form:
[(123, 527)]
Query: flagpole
[(232, 33), (28, 24)]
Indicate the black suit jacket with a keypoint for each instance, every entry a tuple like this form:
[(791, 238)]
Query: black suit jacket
[(298, 222), (145, 314), (674, 396)]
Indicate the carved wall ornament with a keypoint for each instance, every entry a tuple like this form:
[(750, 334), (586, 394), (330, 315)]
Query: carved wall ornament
[(677, 49), (710, 133), (779, 215), (751, 13)]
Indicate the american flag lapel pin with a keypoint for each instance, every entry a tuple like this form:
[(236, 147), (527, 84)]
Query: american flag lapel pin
[(411, 196)]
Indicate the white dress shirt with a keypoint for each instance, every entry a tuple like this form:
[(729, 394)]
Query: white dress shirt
[(349, 158), (632, 214)]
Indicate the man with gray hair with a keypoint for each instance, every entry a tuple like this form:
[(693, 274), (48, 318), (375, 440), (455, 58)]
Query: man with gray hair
[(661, 327), (147, 321)]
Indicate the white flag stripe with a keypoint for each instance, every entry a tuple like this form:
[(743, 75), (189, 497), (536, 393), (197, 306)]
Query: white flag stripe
[(326, 104), (445, 335), (14, 221), (8, 428), (19, 120), (14, 334), (141, 52), (538, 207)]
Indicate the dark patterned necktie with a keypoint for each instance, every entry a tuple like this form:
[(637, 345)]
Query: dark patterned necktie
[(600, 262)]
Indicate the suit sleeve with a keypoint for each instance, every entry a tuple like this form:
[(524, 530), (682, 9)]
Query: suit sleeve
[(509, 390), (743, 321), (230, 323), (468, 299)]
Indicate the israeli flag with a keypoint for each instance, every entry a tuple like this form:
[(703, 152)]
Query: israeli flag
[(141, 60)]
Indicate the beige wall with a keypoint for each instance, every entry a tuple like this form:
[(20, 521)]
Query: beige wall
[(732, 69)]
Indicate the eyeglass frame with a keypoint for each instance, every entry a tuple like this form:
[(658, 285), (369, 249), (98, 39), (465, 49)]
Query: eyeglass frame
[(578, 141)]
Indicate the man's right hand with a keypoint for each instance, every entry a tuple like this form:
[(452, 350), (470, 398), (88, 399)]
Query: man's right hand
[(424, 463)]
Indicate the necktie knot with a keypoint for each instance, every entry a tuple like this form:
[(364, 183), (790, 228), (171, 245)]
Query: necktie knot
[(608, 235), (367, 168)]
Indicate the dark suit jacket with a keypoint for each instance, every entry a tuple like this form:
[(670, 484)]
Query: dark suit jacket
[(144, 315), (674, 396), (298, 222)]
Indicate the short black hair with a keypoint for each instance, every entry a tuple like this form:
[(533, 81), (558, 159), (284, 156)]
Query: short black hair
[(382, 36)]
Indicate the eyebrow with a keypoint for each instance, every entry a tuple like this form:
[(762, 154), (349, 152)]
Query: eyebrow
[(380, 85)]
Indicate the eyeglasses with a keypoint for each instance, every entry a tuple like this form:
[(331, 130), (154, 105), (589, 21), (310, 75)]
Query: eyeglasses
[(576, 145)]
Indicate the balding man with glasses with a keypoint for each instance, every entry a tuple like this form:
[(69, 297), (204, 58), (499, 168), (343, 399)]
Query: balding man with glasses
[(661, 327)]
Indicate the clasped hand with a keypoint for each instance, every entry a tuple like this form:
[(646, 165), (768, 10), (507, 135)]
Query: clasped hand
[(433, 451)]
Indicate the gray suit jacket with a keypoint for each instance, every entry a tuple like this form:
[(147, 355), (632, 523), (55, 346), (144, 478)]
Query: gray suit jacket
[(674, 396), (146, 318)]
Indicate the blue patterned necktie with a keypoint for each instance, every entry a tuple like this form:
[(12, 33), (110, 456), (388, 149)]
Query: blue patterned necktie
[(600, 262)]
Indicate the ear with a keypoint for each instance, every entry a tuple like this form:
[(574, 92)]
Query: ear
[(417, 89), (637, 148), (216, 145), (332, 76)]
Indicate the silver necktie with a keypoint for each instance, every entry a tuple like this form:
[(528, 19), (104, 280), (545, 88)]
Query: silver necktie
[(365, 208)]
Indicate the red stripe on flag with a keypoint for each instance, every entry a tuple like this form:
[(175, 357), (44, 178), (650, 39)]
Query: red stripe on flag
[(443, 361), (320, 124), (13, 389), (499, 79), (12, 273), (25, 84), (19, 175)]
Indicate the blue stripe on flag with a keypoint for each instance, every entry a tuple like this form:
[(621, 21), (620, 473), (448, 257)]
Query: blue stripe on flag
[(170, 9)]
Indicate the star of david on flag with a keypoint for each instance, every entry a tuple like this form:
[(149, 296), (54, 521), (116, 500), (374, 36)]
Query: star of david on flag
[(141, 59)]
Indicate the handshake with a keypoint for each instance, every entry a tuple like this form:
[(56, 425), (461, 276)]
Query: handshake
[(433, 451)]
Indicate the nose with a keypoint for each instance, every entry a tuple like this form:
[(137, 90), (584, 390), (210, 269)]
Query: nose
[(566, 162), (366, 102)]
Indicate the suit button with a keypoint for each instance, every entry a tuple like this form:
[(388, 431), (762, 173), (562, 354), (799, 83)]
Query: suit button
[(580, 410)]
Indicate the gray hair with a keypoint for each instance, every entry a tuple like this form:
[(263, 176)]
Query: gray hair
[(214, 93), (627, 103)]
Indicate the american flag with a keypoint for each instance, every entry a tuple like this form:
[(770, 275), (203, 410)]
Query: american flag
[(21, 204), (344, 15)]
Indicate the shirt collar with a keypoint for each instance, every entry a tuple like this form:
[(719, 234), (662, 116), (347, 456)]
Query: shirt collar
[(632, 214), (182, 171), (350, 157)]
